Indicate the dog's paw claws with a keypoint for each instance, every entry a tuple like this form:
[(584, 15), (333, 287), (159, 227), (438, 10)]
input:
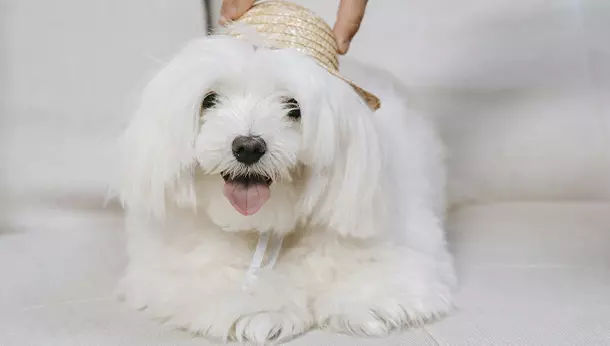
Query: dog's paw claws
[(268, 327), (381, 321)]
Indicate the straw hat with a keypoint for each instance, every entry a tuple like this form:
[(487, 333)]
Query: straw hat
[(287, 25)]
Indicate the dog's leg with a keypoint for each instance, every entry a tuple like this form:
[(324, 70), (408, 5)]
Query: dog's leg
[(406, 275), (372, 289), (191, 277)]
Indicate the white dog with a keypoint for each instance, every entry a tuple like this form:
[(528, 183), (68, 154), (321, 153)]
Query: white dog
[(232, 141)]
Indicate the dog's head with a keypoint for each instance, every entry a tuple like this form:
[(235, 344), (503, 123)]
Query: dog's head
[(251, 120)]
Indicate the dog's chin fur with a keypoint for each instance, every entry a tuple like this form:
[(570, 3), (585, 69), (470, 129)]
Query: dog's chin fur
[(359, 196)]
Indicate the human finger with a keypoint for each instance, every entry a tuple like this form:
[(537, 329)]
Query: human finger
[(349, 18), (233, 9)]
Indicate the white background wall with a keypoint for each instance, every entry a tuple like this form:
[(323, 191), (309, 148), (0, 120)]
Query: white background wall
[(521, 87), (73, 68)]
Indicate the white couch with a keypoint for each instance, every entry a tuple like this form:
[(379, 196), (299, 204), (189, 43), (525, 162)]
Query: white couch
[(520, 91)]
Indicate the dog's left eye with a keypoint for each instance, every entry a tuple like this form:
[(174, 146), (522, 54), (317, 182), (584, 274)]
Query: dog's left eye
[(294, 110), (209, 100)]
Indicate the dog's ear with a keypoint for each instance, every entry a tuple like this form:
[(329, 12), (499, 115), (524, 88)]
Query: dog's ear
[(344, 156), (158, 144)]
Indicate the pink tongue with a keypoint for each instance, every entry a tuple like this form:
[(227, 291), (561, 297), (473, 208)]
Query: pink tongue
[(246, 199)]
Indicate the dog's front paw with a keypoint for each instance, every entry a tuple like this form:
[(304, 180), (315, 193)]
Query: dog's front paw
[(381, 297), (221, 310), (265, 327), (246, 317), (380, 318)]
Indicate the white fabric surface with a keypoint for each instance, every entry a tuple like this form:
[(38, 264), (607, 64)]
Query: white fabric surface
[(519, 88), (531, 274)]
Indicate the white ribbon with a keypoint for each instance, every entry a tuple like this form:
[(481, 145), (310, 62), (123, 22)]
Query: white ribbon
[(259, 254)]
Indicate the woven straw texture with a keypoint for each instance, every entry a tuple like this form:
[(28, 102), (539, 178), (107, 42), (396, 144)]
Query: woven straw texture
[(287, 25)]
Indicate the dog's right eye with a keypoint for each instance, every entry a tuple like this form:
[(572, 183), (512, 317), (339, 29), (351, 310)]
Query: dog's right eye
[(294, 110), (209, 100)]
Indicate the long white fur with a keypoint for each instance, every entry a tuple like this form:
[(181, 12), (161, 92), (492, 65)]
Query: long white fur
[(358, 194)]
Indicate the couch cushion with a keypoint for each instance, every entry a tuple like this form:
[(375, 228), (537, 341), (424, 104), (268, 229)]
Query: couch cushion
[(531, 274)]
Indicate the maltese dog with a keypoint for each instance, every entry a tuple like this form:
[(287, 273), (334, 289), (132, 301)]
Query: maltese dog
[(264, 198)]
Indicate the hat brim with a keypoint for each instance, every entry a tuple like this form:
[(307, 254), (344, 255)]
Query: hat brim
[(288, 25), (372, 100)]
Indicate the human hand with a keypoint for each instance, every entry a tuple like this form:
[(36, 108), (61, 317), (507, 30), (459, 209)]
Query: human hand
[(349, 17)]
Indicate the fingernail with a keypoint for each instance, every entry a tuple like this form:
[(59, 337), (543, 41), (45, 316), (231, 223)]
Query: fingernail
[(227, 12), (343, 47)]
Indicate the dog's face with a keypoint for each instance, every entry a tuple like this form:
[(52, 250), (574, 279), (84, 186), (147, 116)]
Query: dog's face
[(253, 121), (251, 135)]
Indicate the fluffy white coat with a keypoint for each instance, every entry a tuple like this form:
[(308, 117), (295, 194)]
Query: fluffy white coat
[(359, 196)]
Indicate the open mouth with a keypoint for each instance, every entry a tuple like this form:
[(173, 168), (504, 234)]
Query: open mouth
[(247, 179), (247, 193)]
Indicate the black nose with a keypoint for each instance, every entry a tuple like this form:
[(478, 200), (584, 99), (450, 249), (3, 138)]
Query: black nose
[(248, 149)]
